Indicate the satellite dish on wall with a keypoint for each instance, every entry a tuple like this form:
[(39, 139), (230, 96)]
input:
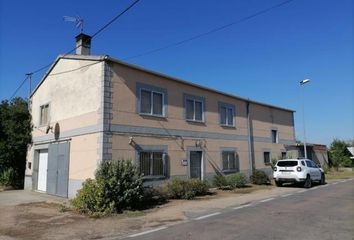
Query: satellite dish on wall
[(56, 131)]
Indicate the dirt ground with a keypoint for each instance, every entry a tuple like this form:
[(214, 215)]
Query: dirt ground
[(45, 220)]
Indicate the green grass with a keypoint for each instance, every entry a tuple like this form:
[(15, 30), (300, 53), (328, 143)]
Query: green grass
[(252, 187), (339, 175)]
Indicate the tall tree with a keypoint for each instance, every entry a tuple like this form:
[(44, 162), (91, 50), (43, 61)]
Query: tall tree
[(15, 138), (339, 154)]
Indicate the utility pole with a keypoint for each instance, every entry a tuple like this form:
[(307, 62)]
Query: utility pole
[(29, 76), (303, 113)]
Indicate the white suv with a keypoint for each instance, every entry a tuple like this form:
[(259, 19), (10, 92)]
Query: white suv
[(298, 171)]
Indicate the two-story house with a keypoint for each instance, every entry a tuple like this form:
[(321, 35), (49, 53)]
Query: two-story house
[(88, 109)]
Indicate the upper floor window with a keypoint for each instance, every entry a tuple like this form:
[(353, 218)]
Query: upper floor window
[(274, 134), (227, 114), (194, 107), (152, 100), (44, 114)]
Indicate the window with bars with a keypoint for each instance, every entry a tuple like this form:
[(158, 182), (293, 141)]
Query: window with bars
[(194, 107), (151, 163), (229, 161), (44, 114), (227, 114), (151, 102)]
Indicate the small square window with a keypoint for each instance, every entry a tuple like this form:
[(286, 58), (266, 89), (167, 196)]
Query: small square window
[(283, 155)]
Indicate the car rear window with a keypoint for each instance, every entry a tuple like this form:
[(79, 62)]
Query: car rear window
[(287, 164)]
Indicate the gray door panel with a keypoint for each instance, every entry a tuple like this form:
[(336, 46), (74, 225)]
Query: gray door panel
[(58, 169), (195, 158), (63, 169), (52, 169)]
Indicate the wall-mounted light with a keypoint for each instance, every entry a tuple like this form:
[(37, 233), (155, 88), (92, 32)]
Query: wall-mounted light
[(131, 141)]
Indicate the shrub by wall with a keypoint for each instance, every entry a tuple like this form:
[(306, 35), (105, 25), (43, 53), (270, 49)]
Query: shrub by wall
[(259, 177), (236, 180), (117, 186), (232, 181), (186, 189)]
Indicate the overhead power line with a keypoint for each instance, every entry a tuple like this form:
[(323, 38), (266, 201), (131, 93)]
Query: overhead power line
[(72, 50), (19, 87), (115, 18), (217, 29)]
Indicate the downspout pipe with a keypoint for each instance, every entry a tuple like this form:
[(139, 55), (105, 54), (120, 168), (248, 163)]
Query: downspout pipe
[(249, 134)]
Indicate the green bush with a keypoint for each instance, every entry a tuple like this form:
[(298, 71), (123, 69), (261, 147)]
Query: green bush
[(219, 181), (154, 196), (259, 177), (232, 181), (236, 180), (186, 189), (117, 186), (7, 177)]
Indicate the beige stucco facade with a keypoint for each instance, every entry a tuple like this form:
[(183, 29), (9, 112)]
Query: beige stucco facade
[(73, 91), (95, 101)]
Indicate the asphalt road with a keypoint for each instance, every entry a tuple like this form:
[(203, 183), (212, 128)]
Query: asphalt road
[(322, 212)]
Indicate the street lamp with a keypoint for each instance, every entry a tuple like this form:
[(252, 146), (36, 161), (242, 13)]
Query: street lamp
[(303, 82)]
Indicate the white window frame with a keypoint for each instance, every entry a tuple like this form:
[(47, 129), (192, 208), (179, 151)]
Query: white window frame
[(194, 99), (152, 103), (276, 135), (227, 106), (40, 114)]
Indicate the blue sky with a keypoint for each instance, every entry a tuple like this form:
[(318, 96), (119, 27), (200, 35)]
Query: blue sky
[(263, 58)]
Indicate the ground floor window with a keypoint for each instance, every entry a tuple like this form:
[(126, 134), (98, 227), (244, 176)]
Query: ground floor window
[(151, 163), (266, 157), (229, 161)]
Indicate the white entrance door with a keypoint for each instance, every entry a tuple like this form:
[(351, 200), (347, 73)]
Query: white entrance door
[(42, 170)]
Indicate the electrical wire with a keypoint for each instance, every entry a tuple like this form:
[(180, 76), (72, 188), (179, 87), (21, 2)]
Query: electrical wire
[(18, 88), (115, 18), (72, 50), (217, 29)]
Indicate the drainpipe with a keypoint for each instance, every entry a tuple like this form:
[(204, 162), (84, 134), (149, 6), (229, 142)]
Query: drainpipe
[(249, 134)]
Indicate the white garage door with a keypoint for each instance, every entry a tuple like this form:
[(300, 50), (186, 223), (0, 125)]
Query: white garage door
[(42, 170)]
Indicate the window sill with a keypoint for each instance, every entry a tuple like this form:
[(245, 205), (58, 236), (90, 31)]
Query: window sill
[(227, 171), (152, 115), (195, 121), (154, 178), (228, 126)]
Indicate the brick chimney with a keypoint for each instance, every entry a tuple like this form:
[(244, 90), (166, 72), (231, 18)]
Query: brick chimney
[(83, 44)]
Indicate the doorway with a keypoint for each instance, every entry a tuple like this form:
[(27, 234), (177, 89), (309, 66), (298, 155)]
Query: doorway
[(195, 162)]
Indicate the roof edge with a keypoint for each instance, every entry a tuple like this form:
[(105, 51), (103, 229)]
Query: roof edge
[(195, 85), (108, 58)]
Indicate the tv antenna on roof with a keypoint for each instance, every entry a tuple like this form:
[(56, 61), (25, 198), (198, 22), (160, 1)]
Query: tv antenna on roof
[(79, 22)]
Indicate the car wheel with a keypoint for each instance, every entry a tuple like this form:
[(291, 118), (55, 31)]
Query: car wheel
[(308, 182), (323, 179), (278, 183)]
